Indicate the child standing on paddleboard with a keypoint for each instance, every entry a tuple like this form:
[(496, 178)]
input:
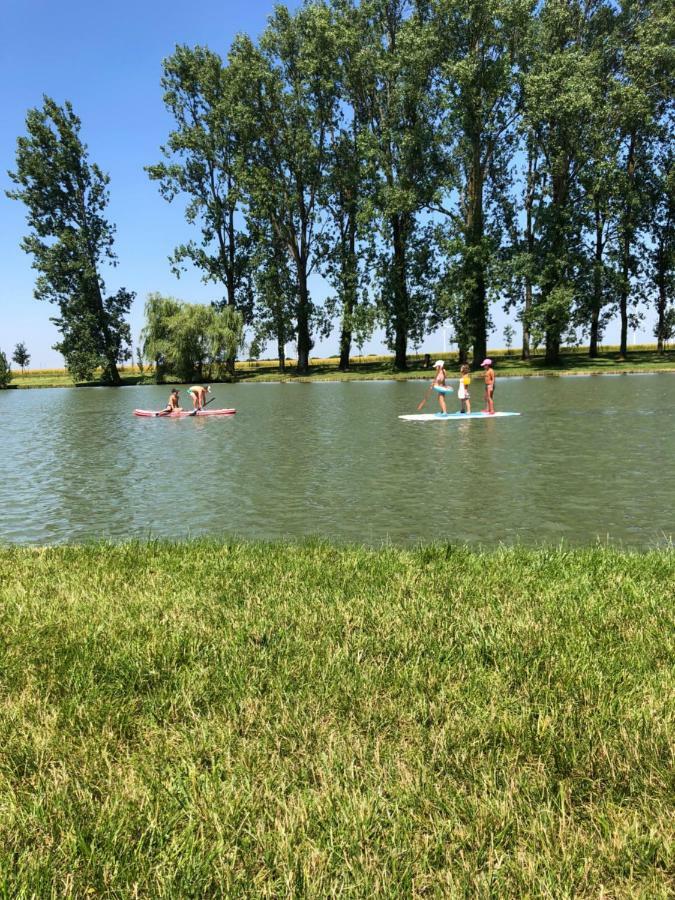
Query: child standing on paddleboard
[(463, 392), (438, 385), (489, 386)]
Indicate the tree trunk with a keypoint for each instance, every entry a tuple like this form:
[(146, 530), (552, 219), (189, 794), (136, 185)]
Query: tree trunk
[(626, 247), (349, 292), (552, 348), (345, 348), (623, 291), (401, 304), (477, 305), (597, 286), (230, 283), (525, 352), (661, 278), (304, 340), (111, 374), (529, 240), (558, 253), (593, 340)]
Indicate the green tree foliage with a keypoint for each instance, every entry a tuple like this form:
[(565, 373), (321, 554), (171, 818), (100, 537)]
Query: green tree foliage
[(479, 48), (509, 334), (5, 371), (202, 153), (21, 356), (189, 341), (347, 252), (429, 158), (562, 89), (662, 253), (275, 293), (348, 241), (391, 80), (70, 238), (643, 102), (287, 93), (596, 283)]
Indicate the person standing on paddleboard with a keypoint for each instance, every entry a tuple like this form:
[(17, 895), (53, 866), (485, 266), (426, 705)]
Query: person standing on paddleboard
[(463, 391), (489, 386), (438, 384), (198, 393)]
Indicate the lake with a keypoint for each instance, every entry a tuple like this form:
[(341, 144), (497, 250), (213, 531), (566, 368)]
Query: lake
[(590, 458)]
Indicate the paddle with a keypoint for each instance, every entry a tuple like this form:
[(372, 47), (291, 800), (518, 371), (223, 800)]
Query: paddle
[(195, 411), (426, 397)]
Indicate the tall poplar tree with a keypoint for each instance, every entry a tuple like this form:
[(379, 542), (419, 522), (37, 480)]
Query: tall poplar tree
[(561, 92), (275, 292), (392, 79), (479, 44), (70, 238), (599, 199), (642, 95), (344, 250), (287, 106), (202, 160), (662, 244), (347, 251)]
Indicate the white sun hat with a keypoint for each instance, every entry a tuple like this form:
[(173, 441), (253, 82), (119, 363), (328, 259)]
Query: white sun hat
[(439, 362)]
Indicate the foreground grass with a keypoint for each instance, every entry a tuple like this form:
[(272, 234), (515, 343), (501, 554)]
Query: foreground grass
[(573, 362), (301, 720)]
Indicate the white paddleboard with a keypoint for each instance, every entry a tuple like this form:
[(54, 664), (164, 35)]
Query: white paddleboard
[(442, 417)]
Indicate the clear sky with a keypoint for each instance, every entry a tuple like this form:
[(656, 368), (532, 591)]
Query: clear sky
[(106, 59)]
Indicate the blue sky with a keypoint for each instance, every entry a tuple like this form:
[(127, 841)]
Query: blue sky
[(106, 59)]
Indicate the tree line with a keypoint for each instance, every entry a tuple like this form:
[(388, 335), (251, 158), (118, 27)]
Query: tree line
[(429, 158)]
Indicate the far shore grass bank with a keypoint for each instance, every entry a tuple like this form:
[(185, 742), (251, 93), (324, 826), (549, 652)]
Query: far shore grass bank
[(366, 368), (304, 720)]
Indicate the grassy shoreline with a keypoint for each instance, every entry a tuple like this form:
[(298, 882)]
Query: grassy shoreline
[(237, 719), (573, 362)]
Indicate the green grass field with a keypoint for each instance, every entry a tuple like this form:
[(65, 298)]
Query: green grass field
[(573, 362), (239, 719)]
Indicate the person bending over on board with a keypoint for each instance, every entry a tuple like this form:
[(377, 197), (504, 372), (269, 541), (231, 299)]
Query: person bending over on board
[(438, 384), (173, 403), (198, 393), (463, 391), (489, 386)]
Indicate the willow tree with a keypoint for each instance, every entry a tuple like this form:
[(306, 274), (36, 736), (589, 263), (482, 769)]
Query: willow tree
[(70, 239), (202, 155), (156, 342), (287, 106), (189, 340)]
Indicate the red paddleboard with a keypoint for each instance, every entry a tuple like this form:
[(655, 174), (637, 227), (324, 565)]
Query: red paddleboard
[(184, 413)]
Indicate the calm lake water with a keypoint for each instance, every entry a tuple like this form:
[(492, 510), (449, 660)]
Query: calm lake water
[(589, 458)]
